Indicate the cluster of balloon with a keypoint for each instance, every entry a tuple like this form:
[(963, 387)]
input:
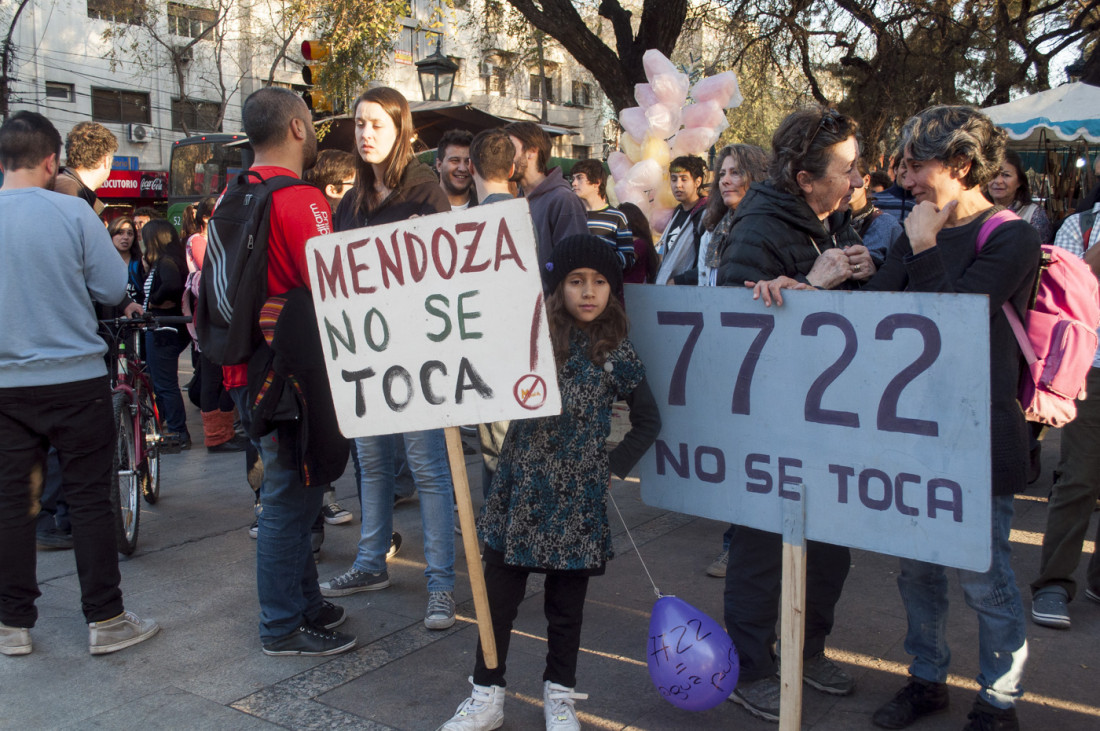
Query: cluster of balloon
[(692, 661), (662, 128)]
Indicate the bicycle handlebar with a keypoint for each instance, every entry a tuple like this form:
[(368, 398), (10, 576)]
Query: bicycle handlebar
[(146, 321)]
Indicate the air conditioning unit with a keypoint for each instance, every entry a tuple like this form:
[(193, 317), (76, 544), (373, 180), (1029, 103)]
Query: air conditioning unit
[(488, 68), (139, 133)]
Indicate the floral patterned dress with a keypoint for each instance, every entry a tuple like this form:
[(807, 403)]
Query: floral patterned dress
[(547, 505)]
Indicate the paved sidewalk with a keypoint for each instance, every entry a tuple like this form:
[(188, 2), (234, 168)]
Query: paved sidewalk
[(194, 571)]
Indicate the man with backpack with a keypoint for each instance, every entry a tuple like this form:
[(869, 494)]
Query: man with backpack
[(1077, 483), (270, 211)]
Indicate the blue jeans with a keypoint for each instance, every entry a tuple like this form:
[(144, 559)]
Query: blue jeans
[(1002, 641), (162, 354), (426, 452), (286, 576)]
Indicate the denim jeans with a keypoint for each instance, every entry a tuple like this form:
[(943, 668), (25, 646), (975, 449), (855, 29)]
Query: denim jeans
[(286, 576), (76, 418), (162, 355), (1002, 641), (426, 452)]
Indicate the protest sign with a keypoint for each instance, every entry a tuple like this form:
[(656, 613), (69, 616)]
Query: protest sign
[(434, 321), (872, 409)]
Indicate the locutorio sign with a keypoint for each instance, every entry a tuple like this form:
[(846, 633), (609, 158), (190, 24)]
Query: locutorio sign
[(435, 321), (871, 408)]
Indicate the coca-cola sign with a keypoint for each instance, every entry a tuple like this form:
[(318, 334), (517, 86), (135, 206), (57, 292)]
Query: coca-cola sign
[(134, 184)]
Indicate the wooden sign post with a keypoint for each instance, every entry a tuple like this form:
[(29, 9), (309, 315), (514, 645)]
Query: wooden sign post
[(435, 322), (879, 401)]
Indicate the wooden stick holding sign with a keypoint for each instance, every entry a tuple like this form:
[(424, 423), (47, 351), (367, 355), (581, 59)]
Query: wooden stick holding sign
[(792, 618), (470, 545)]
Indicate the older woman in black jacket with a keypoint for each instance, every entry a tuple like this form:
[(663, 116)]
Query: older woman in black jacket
[(790, 226)]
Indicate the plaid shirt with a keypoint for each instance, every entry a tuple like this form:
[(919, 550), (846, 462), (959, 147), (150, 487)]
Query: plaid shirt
[(1071, 237)]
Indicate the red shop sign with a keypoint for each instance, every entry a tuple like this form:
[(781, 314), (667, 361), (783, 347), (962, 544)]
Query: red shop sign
[(134, 184)]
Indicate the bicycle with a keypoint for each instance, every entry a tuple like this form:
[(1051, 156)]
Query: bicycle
[(138, 440)]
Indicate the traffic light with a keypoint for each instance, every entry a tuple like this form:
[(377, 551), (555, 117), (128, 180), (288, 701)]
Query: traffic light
[(315, 98)]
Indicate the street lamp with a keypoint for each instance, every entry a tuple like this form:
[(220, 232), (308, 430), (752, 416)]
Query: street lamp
[(437, 74)]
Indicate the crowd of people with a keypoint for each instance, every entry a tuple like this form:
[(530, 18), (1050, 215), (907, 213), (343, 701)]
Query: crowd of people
[(808, 214)]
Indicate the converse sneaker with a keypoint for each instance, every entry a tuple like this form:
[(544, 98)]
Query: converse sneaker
[(336, 515), (329, 616), (917, 699), (482, 711), (557, 707), (441, 610), (354, 581), (760, 698), (718, 568), (1048, 607), (118, 633), (310, 641), (14, 640)]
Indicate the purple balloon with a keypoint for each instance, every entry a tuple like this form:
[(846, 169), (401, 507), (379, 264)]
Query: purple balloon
[(692, 661)]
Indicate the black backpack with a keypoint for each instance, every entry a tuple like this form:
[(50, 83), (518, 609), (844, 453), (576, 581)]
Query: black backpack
[(233, 286)]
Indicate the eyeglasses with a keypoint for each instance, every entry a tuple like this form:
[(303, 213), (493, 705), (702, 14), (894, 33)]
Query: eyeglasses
[(830, 122)]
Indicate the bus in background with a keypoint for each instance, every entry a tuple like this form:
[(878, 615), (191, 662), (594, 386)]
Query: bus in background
[(202, 165)]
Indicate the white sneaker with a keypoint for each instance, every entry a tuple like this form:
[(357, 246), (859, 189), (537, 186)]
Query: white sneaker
[(118, 633), (482, 711), (558, 707)]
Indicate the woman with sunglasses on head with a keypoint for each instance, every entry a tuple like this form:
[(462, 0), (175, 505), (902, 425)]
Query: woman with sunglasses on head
[(791, 225)]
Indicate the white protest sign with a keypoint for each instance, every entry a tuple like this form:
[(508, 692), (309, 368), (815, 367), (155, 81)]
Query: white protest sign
[(435, 321), (873, 408)]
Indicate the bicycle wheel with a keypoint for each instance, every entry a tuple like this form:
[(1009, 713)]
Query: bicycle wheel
[(125, 493), (150, 468)]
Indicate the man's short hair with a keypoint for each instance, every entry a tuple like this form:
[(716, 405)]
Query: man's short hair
[(26, 139), (87, 144), (690, 164), (147, 211), (532, 136), (333, 167), (267, 114), (593, 170), (492, 154), (880, 178), (452, 137)]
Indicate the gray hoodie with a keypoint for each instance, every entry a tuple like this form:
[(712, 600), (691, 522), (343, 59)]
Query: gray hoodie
[(55, 258)]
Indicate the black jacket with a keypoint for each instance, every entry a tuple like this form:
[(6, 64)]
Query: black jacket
[(777, 234), (418, 194)]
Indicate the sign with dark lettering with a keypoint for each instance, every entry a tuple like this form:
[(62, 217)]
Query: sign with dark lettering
[(434, 321), (872, 408)]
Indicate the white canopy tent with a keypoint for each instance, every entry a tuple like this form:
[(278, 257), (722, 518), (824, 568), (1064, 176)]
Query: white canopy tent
[(1068, 113)]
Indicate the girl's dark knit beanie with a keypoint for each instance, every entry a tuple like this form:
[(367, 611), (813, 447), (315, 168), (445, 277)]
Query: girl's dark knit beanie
[(583, 251)]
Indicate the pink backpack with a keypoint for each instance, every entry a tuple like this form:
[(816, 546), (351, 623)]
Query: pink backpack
[(1059, 340)]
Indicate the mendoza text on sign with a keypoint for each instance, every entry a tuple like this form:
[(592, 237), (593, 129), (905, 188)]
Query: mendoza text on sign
[(871, 407), (435, 321)]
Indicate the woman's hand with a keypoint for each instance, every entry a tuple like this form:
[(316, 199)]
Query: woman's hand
[(925, 221), (859, 258), (769, 289), (830, 269)]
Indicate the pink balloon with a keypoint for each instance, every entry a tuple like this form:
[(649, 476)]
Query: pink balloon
[(643, 94), (663, 119), (694, 141), (645, 175), (660, 217), (692, 661), (704, 114), (619, 164), (721, 88), (627, 193), (633, 120)]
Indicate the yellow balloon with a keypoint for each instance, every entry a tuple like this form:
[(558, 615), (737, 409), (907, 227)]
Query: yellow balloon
[(665, 198), (654, 148), (631, 147), (611, 197)]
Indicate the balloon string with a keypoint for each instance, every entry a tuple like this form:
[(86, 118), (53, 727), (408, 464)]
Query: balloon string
[(636, 551)]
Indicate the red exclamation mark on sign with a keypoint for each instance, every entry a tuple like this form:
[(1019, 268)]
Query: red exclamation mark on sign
[(530, 390)]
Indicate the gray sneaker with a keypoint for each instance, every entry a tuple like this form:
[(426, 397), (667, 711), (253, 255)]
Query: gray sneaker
[(1048, 607), (825, 675), (718, 568), (14, 640), (441, 610), (118, 633), (354, 581), (760, 698)]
